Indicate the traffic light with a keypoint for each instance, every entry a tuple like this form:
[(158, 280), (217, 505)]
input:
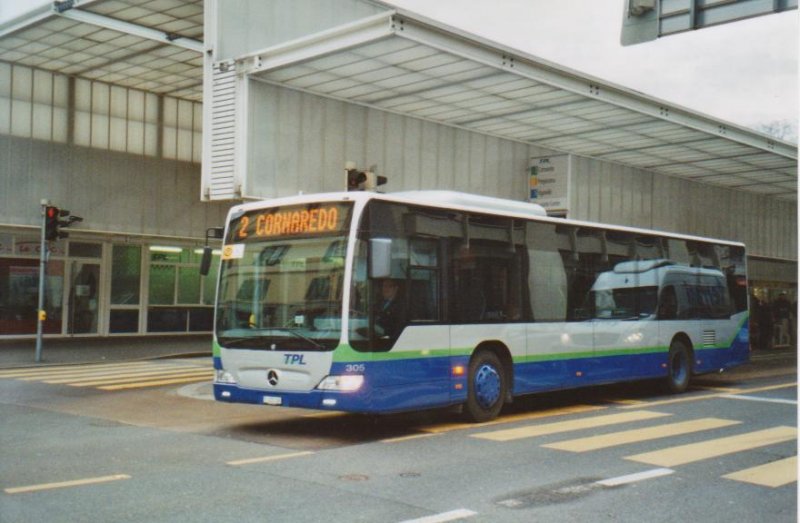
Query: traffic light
[(363, 180), (53, 222), (354, 179)]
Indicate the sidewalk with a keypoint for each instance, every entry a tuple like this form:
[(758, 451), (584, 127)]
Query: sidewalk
[(64, 351)]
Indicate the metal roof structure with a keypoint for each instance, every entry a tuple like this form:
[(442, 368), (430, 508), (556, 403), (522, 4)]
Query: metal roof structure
[(403, 63), (152, 45)]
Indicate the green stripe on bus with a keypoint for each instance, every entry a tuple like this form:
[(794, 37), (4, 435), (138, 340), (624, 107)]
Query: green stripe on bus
[(347, 354)]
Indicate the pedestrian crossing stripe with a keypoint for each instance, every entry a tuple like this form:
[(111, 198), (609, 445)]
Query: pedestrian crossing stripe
[(604, 441), (157, 383), (775, 474), (703, 450), (568, 426), (115, 376), (65, 369), (108, 373), (86, 381), (509, 418)]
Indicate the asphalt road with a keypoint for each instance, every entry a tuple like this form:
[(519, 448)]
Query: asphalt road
[(142, 441)]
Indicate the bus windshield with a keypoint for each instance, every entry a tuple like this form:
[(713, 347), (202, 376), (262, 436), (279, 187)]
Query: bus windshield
[(281, 284)]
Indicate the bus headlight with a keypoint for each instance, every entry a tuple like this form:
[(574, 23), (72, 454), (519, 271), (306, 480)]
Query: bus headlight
[(223, 376), (348, 383)]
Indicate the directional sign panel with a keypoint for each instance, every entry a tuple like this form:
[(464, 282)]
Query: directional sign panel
[(646, 20)]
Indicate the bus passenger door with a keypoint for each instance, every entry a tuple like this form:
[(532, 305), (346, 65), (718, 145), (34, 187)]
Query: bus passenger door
[(559, 338), (559, 354)]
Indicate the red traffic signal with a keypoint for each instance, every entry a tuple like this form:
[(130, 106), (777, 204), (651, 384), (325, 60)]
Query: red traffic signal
[(53, 222), (51, 215)]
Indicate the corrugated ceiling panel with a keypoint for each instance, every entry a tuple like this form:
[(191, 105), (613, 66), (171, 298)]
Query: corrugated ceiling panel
[(75, 48), (410, 77), (765, 177)]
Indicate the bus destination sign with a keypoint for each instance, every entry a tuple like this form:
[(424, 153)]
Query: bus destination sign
[(295, 221)]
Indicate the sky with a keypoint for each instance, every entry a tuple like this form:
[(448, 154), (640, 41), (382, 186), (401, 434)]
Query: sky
[(744, 72)]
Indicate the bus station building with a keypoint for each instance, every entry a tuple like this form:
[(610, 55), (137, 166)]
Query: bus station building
[(150, 118)]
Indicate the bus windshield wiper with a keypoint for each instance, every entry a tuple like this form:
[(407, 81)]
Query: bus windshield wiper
[(244, 341), (301, 336), (263, 339)]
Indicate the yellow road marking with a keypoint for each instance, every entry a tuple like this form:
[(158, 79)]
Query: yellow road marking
[(400, 439), (65, 484), (125, 386), (331, 414), (626, 401), (265, 459), (567, 426), (65, 369), (683, 399), (560, 411), (727, 390), (115, 376), (775, 474), (133, 378), (770, 387), (701, 397), (634, 436), (109, 375), (692, 452)]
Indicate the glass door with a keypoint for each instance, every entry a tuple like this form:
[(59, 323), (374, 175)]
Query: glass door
[(84, 297)]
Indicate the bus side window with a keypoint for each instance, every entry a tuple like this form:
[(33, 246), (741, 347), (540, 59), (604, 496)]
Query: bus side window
[(547, 279), (668, 304), (424, 270)]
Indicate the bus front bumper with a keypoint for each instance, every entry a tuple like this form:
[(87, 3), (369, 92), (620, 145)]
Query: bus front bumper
[(314, 399)]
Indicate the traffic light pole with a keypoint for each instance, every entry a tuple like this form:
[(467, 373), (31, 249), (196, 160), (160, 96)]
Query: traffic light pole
[(40, 313)]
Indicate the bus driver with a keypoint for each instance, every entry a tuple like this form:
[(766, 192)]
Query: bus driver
[(390, 315)]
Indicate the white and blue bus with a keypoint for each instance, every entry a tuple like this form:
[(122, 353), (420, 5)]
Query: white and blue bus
[(378, 303)]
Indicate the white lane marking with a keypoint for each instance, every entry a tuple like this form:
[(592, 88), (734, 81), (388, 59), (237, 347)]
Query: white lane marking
[(756, 398), (265, 459), (65, 484), (633, 478), (444, 516)]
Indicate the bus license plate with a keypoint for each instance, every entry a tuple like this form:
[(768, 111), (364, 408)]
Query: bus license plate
[(272, 400)]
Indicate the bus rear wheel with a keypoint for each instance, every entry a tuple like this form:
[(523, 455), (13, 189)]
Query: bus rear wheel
[(486, 387), (679, 367)]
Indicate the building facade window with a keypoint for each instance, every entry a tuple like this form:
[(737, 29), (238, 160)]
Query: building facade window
[(180, 300), (19, 286), (126, 280), (100, 287)]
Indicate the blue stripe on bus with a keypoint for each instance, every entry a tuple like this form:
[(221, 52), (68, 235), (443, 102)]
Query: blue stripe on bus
[(427, 382)]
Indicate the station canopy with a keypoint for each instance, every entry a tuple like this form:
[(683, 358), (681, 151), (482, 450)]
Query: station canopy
[(400, 62)]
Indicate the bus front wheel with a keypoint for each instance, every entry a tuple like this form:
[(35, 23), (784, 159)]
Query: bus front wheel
[(679, 367), (486, 387)]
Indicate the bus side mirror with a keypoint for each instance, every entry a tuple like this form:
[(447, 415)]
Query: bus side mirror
[(205, 261), (212, 233), (380, 265)]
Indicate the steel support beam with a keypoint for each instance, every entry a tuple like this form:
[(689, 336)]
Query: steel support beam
[(106, 22), (525, 66), (360, 32)]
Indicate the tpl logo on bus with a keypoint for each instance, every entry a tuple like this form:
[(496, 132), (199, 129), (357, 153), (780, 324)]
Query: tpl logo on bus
[(294, 359)]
